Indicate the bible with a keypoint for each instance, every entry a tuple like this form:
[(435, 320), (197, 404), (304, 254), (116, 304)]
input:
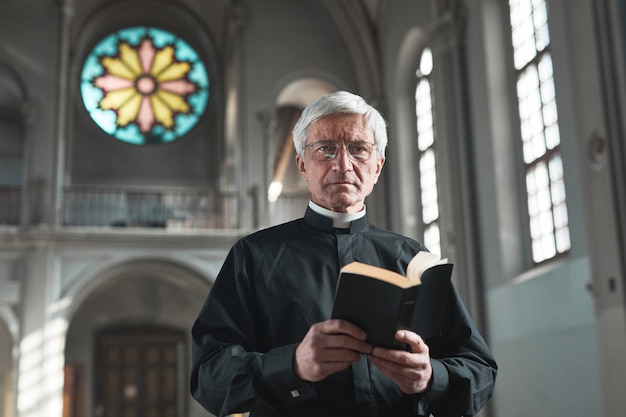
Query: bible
[(381, 301)]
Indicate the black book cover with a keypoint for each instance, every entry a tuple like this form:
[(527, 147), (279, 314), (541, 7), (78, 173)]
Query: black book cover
[(381, 308)]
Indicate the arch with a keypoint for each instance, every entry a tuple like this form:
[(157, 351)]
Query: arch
[(163, 267), (293, 96), (12, 101), (408, 60), (141, 292), (404, 148), (137, 277), (112, 16), (12, 88), (170, 17), (201, 145), (302, 91), (353, 23)]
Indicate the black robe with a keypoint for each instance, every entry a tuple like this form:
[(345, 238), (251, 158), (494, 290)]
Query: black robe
[(274, 285)]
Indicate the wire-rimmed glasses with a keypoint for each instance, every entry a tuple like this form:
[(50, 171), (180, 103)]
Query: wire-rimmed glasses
[(327, 150)]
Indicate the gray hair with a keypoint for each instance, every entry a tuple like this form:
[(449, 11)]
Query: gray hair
[(340, 102)]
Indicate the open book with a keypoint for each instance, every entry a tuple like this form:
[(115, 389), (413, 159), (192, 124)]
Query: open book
[(381, 301)]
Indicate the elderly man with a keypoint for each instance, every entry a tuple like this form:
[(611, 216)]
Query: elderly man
[(264, 342)]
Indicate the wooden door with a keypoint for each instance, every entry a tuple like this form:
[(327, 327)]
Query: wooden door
[(140, 373), (73, 390)]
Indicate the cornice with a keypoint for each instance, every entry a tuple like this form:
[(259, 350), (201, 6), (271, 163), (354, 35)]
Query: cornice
[(40, 237)]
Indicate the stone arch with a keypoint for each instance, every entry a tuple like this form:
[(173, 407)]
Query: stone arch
[(302, 91), (404, 146), (205, 159), (148, 292), (12, 89), (293, 96), (74, 293), (353, 23), (98, 23)]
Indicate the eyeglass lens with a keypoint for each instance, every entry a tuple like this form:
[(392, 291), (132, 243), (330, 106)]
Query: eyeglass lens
[(324, 151)]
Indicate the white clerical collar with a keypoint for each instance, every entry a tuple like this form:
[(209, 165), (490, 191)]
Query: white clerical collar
[(340, 220)]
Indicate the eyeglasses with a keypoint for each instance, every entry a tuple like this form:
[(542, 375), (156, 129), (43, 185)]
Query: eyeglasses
[(327, 150)]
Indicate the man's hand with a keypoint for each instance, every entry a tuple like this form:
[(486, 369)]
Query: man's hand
[(412, 370), (329, 347)]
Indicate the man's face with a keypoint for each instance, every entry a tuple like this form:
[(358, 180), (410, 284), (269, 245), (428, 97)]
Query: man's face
[(340, 184)]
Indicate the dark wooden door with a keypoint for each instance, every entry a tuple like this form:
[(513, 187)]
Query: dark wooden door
[(140, 373)]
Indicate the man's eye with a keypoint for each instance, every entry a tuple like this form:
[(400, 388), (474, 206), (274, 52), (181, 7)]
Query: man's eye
[(358, 148), (327, 148)]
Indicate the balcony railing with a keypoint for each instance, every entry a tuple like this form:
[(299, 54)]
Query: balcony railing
[(171, 209), (290, 205)]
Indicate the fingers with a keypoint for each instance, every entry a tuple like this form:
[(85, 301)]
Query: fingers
[(410, 379), (415, 342), (412, 370), (341, 326), (329, 347)]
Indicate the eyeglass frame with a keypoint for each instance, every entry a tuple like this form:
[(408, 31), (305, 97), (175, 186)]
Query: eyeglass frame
[(342, 145)]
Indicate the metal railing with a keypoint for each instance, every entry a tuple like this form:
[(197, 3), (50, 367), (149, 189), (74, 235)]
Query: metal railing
[(289, 206), (171, 209)]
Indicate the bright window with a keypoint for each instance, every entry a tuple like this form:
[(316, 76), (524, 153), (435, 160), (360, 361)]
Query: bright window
[(427, 163), (144, 85), (545, 187)]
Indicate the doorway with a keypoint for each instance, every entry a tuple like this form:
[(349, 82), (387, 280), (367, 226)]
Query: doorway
[(140, 373)]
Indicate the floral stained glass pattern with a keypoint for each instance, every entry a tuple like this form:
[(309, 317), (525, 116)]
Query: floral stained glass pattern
[(144, 85)]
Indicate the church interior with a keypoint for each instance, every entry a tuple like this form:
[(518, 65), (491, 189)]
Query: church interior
[(140, 139)]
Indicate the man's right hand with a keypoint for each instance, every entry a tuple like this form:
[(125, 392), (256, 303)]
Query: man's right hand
[(329, 347)]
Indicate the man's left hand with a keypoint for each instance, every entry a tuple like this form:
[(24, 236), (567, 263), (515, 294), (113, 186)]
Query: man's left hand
[(411, 370)]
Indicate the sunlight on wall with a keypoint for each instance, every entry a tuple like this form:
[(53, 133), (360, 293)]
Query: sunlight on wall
[(40, 385), (7, 354)]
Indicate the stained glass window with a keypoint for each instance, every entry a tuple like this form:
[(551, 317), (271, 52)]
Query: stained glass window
[(144, 85)]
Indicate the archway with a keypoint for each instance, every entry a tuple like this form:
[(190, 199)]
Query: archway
[(287, 193), (147, 300)]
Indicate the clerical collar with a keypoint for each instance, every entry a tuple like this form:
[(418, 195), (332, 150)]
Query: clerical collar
[(340, 220)]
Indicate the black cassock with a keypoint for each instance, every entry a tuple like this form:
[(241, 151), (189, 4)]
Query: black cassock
[(278, 282)]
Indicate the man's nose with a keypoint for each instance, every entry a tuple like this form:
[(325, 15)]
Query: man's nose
[(342, 160)]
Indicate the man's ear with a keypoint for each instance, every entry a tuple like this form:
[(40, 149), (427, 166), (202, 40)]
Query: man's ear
[(379, 168), (301, 167)]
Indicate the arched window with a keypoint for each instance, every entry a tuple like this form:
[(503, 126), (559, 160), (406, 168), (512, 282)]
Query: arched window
[(144, 85), (541, 143), (427, 160)]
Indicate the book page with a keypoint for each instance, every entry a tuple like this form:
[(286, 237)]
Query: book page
[(378, 273), (420, 262)]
